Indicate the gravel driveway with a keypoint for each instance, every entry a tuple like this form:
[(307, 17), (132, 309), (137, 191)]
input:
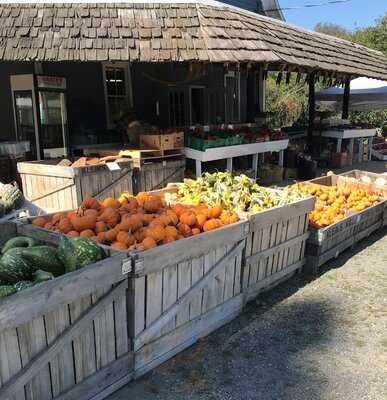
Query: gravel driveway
[(323, 338)]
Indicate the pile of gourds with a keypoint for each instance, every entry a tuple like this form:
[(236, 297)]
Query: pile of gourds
[(137, 222)]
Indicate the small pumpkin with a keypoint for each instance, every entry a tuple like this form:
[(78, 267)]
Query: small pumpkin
[(119, 246), (56, 218), (39, 221), (90, 203), (65, 225), (200, 219), (148, 218), (73, 234), (195, 231), (100, 226), (153, 203), (184, 229), (111, 235), (148, 243), (109, 202), (171, 231), (87, 233), (82, 223), (48, 226), (156, 232), (91, 213), (215, 212), (141, 197), (188, 218), (169, 239), (110, 216), (211, 224), (125, 237), (71, 214), (131, 222), (140, 235), (174, 219)]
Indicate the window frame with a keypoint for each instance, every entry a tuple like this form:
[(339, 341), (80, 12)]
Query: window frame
[(128, 86)]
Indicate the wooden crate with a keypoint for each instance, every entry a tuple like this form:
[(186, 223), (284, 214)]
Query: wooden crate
[(157, 175), (67, 338), (166, 141), (56, 188), (275, 247), (327, 243), (193, 288)]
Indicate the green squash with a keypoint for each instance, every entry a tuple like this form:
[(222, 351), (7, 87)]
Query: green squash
[(11, 197), (6, 290), (44, 257), (42, 276), (18, 241), (87, 251), (67, 254), (14, 268)]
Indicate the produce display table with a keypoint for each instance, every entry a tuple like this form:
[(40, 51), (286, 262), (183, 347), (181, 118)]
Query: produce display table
[(352, 134), (228, 152)]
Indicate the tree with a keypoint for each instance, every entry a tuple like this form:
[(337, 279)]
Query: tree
[(374, 37), (332, 30)]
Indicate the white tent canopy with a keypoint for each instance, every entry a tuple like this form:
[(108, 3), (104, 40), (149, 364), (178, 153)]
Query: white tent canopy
[(366, 94)]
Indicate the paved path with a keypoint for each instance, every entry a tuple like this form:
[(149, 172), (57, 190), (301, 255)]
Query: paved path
[(323, 338)]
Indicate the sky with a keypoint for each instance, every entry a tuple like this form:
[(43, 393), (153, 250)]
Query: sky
[(353, 14)]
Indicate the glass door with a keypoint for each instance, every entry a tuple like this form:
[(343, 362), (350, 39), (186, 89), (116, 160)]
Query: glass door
[(53, 124), (25, 121)]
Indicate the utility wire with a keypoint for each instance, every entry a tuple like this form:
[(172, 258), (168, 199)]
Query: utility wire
[(327, 3)]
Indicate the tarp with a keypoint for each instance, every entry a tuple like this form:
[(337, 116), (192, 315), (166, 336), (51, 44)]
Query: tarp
[(366, 94)]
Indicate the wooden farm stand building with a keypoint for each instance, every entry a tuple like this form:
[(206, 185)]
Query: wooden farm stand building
[(86, 333)]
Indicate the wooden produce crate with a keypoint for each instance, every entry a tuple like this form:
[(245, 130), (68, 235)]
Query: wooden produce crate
[(66, 338), (327, 243), (275, 247), (182, 291), (157, 175), (56, 188)]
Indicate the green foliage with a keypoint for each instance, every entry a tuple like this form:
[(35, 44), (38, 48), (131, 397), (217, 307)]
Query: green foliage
[(333, 30), (376, 118)]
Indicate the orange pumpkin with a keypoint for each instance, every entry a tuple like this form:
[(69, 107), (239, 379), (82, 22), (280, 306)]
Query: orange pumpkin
[(48, 226), (153, 203), (101, 237), (56, 218), (124, 237), (200, 219), (215, 212), (195, 231), (65, 225), (149, 243), (169, 239), (156, 232), (111, 235), (40, 221), (178, 209), (100, 226), (141, 197), (91, 213), (148, 218), (171, 231), (73, 234), (109, 202), (174, 219), (82, 223), (140, 235), (118, 246), (90, 203), (110, 216), (71, 214), (87, 233), (131, 222), (211, 224), (184, 229), (188, 218)]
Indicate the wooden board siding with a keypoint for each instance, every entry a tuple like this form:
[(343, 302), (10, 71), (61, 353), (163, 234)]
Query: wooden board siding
[(66, 338)]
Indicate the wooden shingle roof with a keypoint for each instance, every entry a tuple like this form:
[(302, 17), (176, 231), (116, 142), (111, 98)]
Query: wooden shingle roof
[(150, 32)]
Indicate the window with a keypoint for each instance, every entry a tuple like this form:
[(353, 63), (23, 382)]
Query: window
[(176, 108), (118, 93), (232, 96)]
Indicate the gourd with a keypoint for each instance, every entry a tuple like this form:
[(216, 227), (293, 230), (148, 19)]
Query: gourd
[(90, 203), (11, 197), (100, 226), (39, 221), (73, 234), (109, 202), (131, 222), (211, 224), (44, 257), (215, 212), (65, 225), (19, 241), (6, 290), (87, 251), (111, 235), (188, 218), (42, 276), (195, 231), (152, 203), (184, 229), (67, 254), (171, 231), (82, 223), (125, 238), (14, 268), (56, 218), (149, 243), (87, 233), (119, 246), (200, 220), (110, 216), (156, 232), (23, 285)]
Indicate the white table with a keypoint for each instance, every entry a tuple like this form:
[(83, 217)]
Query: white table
[(352, 134), (229, 152)]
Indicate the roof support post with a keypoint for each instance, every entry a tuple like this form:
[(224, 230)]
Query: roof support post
[(347, 88), (312, 105)]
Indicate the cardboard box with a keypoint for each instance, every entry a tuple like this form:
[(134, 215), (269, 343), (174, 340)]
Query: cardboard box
[(168, 141)]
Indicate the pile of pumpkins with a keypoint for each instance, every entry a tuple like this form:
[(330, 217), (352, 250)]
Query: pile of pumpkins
[(136, 222)]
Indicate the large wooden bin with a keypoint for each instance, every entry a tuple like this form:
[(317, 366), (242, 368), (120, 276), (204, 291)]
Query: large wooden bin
[(183, 291), (275, 247), (327, 243), (157, 175), (67, 338), (56, 188)]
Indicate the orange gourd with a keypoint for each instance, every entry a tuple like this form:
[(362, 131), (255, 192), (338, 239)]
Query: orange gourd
[(110, 216), (91, 213), (119, 246), (215, 212), (200, 219), (171, 231), (87, 233), (178, 209), (56, 218), (148, 218), (73, 234), (90, 203), (152, 204), (156, 232), (131, 222), (184, 229), (169, 239), (109, 202), (48, 226), (65, 225), (71, 214), (82, 223), (141, 197), (111, 235), (174, 219), (100, 226), (195, 231), (124, 237), (188, 218), (40, 221), (101, 237), (211, 224), (149, 243), (140, 235)]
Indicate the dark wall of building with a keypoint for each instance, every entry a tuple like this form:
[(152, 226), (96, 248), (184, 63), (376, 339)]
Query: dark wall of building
[(85, 95), (7, 125)]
